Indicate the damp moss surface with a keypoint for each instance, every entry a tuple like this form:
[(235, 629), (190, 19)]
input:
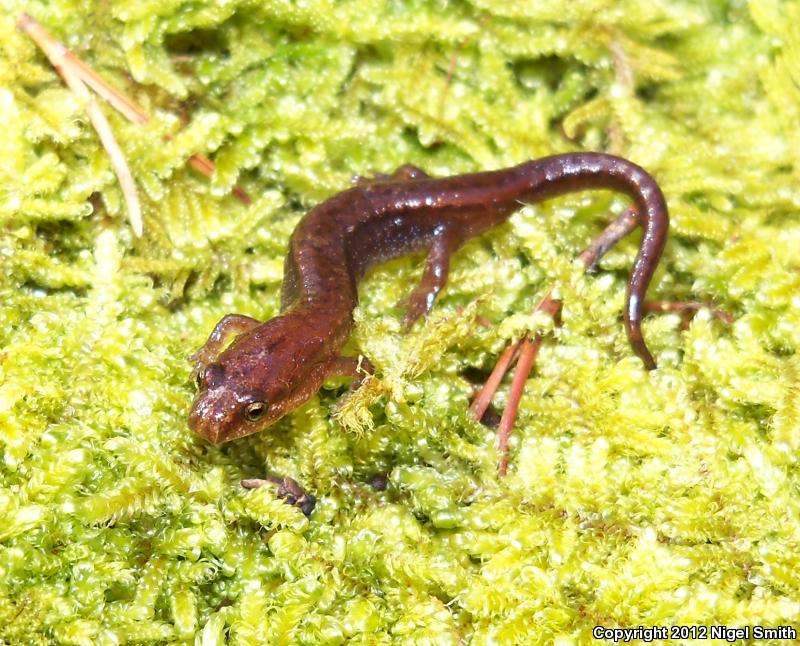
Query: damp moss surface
[(656, 499)]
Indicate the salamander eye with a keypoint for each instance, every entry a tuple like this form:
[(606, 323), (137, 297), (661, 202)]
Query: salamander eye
[(255, 411), (199, 377)]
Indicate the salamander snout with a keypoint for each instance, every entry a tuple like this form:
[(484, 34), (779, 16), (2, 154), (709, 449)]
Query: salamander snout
[(211, 415), (222, 414), (254, 382)]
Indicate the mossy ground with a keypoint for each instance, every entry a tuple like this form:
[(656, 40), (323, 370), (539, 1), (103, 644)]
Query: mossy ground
[(658, 498)]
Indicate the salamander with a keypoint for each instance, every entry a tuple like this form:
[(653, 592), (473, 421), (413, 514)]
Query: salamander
[(270, 368)]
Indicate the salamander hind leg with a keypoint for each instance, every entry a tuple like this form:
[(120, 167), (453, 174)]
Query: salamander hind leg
[(434, 278), (610, 236), (229, 325)]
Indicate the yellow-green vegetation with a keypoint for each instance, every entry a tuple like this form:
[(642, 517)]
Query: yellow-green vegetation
[(633, 498)]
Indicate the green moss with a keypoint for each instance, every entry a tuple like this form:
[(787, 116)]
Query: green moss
[(634, 498)]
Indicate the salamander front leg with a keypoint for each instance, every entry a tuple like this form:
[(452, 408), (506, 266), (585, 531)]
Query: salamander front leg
[(434, 277), (288, 488), (356, 367), (230, 324)]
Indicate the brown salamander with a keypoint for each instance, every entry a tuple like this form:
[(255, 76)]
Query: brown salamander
[(271, 368)]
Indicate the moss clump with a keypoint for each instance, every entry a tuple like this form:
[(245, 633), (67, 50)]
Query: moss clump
[(656, 499)]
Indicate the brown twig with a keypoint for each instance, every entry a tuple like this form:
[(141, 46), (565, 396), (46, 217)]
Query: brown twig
[(127, 108), (527, 355), (136, 114), (104, 90), (526, 349), (58, 56), (451, 68), (590, 256), (625, 79), (484, 396)]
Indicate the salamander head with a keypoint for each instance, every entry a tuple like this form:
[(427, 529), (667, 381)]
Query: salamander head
[(253, 383)]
